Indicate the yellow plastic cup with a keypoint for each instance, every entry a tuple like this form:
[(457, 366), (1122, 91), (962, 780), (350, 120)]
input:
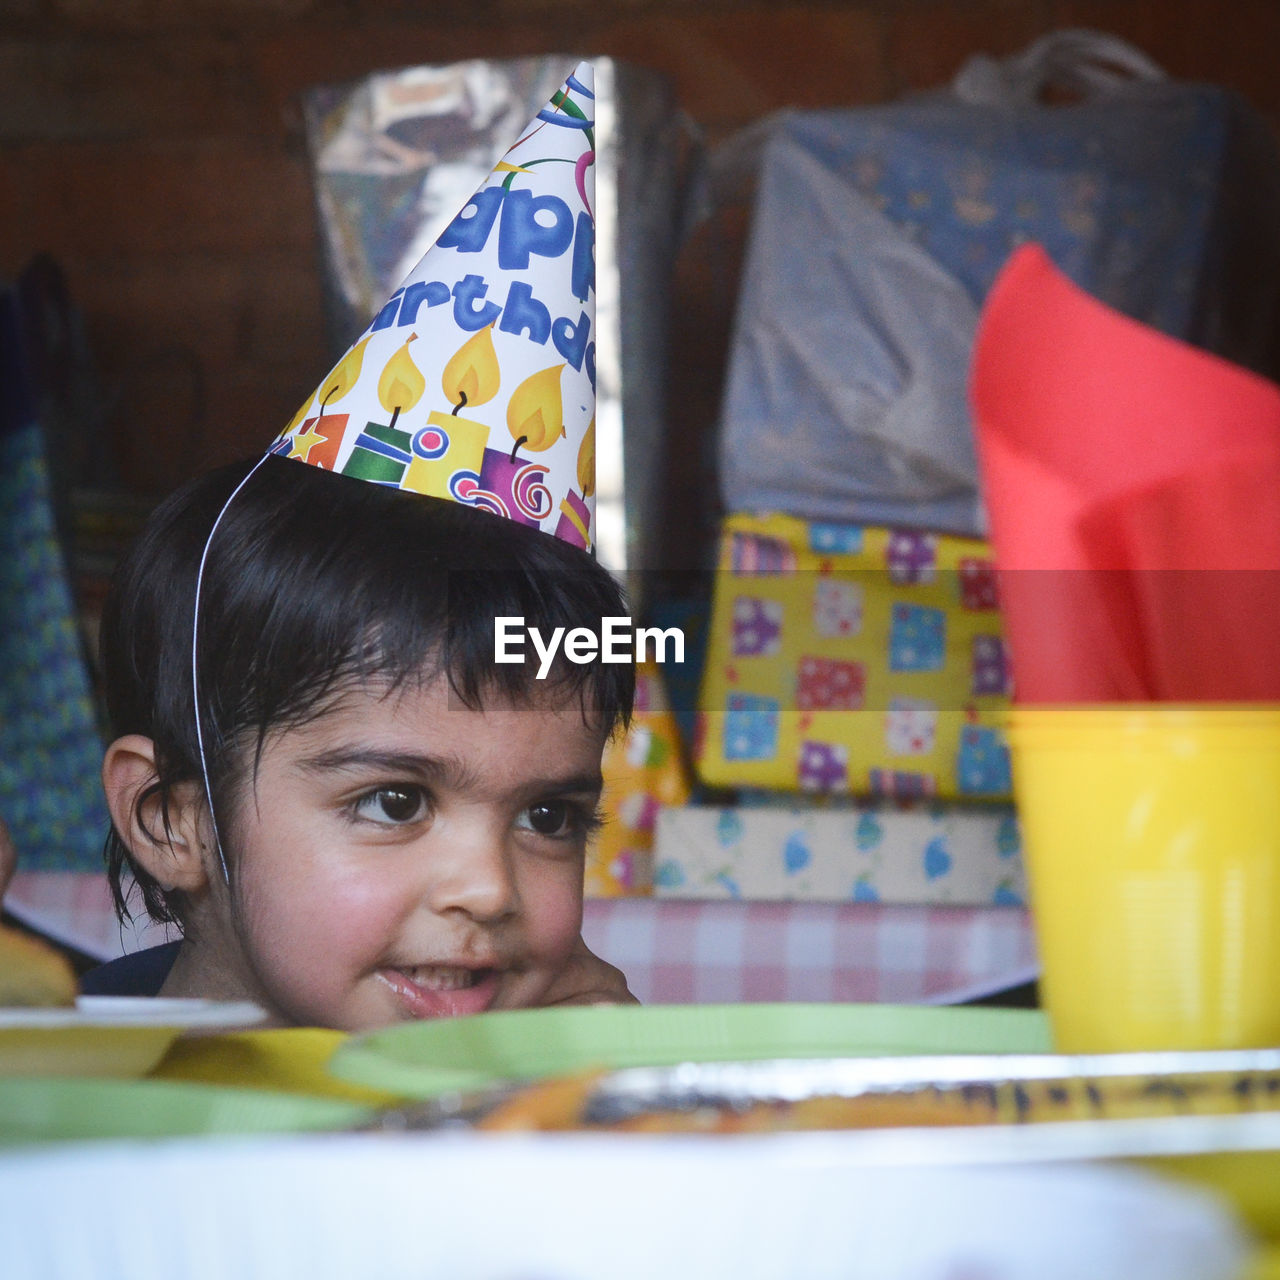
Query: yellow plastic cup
[(1152, 838)]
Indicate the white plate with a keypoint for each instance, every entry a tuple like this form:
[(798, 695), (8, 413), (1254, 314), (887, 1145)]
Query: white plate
[(570, 1207), (109, 1035)]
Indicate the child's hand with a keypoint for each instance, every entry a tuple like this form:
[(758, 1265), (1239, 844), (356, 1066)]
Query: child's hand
[(586, 979)]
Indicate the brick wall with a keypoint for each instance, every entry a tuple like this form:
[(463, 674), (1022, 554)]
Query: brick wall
[(154, 147)]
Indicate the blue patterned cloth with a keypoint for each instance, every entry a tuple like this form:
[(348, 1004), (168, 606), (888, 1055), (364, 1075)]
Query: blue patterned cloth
[(50, 749)]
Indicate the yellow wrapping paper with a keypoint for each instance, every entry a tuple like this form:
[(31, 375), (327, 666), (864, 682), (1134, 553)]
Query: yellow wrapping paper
[(643, 771), (852, 660)]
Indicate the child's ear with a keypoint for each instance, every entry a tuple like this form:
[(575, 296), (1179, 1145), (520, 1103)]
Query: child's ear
[(172, 851)]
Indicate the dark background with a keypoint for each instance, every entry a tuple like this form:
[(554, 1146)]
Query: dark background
[(155, 149)]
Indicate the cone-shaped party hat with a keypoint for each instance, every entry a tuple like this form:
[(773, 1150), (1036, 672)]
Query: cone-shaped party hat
[(476, 381)]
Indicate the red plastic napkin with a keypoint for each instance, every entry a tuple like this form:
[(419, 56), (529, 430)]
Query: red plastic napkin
[(1133, 490)]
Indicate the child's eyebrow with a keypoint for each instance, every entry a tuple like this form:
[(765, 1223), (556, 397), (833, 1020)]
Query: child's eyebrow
[(350, 759), (591, 782), (434, 769)]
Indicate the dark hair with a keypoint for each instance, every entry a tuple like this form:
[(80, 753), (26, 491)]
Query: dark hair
[(313, 581)]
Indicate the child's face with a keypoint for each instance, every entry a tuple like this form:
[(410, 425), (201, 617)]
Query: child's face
[(403, 857)]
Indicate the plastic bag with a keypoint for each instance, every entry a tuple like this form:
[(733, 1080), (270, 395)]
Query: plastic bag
[(877, 232)]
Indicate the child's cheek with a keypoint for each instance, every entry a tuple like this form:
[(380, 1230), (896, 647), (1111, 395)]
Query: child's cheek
[(554, 914), (323, 932), (362, 915)]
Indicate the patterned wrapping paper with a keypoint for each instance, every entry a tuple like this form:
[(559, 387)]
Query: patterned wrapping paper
[(644, 771), (50, 748), (923, 855), (853, 660)]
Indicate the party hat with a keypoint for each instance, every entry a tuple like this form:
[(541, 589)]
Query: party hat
[(476, 381)]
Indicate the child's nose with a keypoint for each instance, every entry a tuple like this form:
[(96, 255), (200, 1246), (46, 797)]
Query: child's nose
[(475, 877)]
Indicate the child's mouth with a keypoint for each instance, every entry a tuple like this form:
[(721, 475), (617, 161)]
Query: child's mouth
[(438, 977), (441, 991)]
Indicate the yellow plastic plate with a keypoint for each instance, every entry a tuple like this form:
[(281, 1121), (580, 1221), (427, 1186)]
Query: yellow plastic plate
[(108, 1035)]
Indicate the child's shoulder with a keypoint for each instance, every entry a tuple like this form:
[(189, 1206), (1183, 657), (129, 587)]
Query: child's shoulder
[(140, 974)]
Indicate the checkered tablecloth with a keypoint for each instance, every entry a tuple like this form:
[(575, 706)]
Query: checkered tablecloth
[(76, 909), (679, 952)]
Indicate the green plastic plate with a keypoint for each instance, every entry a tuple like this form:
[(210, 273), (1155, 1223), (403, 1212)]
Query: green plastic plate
[(425, 1059), (69, 1109)]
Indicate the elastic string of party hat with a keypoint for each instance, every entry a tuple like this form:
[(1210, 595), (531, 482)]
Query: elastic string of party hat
[(195, 666)]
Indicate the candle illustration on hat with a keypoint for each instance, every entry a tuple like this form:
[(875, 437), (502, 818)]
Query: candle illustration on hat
[(494, 326)]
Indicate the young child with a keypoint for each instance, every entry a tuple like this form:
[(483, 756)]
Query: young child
[(321, 774), (403, 820)]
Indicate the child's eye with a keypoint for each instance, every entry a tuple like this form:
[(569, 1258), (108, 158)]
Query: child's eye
[(559, 819), (393, 805)]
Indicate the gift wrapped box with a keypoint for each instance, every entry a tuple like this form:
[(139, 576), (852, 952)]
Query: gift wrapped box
[(644, 770), (50, 748), (852, 660), (877, 232), (961, 855)]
